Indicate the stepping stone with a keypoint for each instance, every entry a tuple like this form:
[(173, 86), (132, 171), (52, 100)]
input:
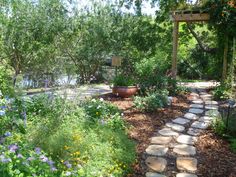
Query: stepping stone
[(183, 149), (157, 150), (185, 175), (194, 94), (205, 95), (196, 106), (213, 113), (212, 107), (191, 116), (192, 98), (211, 102), (186, 163), (197, 101), (157, 164), (186, 139), (196, 111), (181, 121), (160, 140), (168, 132), (206, 119), (200, 125), (150, 174), (202, 93), (176, 127), (194, 131)]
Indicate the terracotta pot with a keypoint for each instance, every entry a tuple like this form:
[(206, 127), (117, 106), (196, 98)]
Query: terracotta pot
[(124, 91)]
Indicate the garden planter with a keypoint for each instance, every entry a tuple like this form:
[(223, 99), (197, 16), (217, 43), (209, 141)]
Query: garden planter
[(124, 91)]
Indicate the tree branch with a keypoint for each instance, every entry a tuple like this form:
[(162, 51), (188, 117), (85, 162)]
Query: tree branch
[(204, 48)]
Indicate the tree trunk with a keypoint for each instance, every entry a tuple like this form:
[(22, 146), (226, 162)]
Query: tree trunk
[(225, 62)]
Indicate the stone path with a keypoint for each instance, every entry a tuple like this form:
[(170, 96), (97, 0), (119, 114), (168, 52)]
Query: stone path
[(172, 151)]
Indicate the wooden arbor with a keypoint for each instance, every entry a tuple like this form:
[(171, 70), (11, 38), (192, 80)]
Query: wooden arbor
[(183, 16)]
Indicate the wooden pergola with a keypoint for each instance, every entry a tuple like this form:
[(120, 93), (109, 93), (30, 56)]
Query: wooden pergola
[(183, 16)]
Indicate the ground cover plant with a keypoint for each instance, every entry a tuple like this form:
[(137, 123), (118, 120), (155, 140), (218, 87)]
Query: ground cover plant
[(65, 139)]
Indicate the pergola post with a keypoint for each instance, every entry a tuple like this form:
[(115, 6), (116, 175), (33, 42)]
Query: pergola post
[(175, 49)]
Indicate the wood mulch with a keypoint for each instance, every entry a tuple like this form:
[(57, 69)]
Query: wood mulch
[(214, 155)]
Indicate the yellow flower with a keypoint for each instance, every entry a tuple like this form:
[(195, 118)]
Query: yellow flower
[(97, 113), (66, 147)]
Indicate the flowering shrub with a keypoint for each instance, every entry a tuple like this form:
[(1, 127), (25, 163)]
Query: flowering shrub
[(152, 101), (19, 159)]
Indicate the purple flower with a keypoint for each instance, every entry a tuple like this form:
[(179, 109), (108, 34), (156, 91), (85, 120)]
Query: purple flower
[(20, 156), (30, 158), (53, 169), (67, 164), (4, 159), (38, 150), (3, 107), (2, 113), (7, 134), (13, 148), (68, 173), (51, 163), (43, 158)]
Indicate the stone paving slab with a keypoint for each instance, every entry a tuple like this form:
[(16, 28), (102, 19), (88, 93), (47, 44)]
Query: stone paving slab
[(186, 163), (157, 150), (200, 125), (176, 127), (206, 119), (196, 111), (212, 107), (197, 101), (168, 132), (211, 102), (181, 121), (196, 106), (191, 116), (150, 174), (183, 149), (186, 139), (186, 175), (157, 164), (161, 140), (194, 131), (213, 113)]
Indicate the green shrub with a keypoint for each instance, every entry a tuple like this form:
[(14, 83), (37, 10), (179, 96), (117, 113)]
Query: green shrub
[(6, 86), (122, 80), (151, 102), (219, 126), (90, 137), (221, 92), (233, 144)]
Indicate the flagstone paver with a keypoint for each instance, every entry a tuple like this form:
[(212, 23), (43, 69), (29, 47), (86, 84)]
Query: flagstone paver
[(196, 111), (181, 121), (212, 107), (160, 140), (157, 150), (150, 174), (198, 101), (176, 140), (206, 119), (185, 175), (176, 127), (168, 132), (191, 116), (183, 149), (186, 139), (186, 163), (194, 131), (200, 125), (196, 106), (157, 164)]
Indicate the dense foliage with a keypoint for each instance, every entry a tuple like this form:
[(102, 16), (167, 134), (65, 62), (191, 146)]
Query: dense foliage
[(58, 138)]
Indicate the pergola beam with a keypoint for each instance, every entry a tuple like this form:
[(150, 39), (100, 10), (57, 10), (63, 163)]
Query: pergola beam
[(190, 17), (183, 16)]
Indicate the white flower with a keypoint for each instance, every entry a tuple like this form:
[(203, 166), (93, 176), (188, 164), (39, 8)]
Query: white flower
[(101, 99)]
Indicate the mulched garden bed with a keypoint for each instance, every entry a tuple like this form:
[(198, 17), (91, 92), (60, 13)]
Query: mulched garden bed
[(214, 155), (144, 125)]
